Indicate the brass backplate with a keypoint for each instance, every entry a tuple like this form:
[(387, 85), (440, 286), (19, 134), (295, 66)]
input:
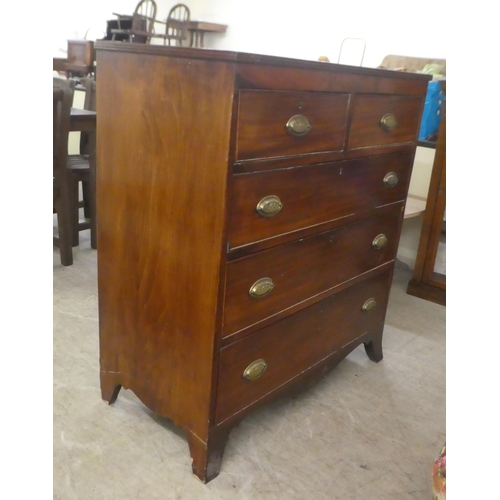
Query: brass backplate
[(269, 206), (369, 305), (298, 125), (388, 122), (379, 241), (261, 288), (390, 179), (255, 369)]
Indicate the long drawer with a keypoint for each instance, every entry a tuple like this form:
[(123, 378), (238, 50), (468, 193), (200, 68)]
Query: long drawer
[(285, 349), (268, 204), (277, 123), (268, 282)]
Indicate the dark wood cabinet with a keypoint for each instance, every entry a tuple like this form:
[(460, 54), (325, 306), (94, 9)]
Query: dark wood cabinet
[(249, 213), (428, 281)]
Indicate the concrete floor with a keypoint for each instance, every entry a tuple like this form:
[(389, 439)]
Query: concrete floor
[(366, 432)]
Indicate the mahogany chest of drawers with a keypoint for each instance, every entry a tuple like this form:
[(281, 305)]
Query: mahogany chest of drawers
[(249, 212)]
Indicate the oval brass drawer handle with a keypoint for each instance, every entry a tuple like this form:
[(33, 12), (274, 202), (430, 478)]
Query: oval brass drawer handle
[(369, 305), (390, 179), (255, 369), (298, 125), (269, 206), (388, 122), (379, 241), (261, 288)]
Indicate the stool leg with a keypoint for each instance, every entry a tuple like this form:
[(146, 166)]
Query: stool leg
[(74, 211), (63, 207)]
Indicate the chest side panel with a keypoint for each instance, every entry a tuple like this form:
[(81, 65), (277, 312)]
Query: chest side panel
[(163, 139)]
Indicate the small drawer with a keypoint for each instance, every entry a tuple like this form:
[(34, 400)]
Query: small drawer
[(279, 123), (380, 120), (269, 282), (258, 364), (268, 204)]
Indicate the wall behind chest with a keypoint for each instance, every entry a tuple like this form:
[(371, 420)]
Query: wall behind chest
[(316, 28)]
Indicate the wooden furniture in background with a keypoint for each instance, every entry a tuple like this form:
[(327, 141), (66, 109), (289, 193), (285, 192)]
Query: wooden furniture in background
[(142, 24), (90, 104), (426, 283), (59, 65), (250, 209), (81, 58), (122, 22), (197, 30), (82, 165), (176, 25), (63, 99)]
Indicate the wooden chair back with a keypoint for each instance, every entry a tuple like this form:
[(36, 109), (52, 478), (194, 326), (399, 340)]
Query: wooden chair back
[(139, 27), (177, 24), (64, 91), (90, 94), (143, 21), (89, 103), (63, 100)]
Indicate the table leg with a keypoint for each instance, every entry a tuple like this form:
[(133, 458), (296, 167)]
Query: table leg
[(196, 38)]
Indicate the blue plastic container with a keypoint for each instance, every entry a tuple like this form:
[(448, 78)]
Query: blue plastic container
[(433, 106)]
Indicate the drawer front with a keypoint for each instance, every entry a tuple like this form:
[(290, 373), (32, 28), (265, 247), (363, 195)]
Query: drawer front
[(383, 120), (269, 204), (276, 123), (296, 343), (268, 282)]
